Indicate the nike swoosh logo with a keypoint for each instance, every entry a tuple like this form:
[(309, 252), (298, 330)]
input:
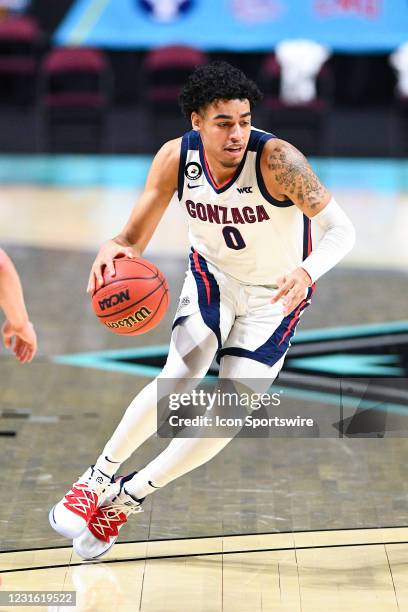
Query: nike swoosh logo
[(193, 186)]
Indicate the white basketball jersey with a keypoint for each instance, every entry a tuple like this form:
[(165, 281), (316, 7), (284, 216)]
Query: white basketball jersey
[(239, 227)]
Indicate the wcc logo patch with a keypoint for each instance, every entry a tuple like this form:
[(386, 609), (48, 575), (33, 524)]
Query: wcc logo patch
[(166, 11), (244, 189)]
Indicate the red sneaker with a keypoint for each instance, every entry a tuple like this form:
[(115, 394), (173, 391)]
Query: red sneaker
[(70, 516), (103, 527)]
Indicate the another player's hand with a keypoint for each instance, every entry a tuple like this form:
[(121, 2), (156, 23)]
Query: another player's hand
[(292, 289), (107, 253), (23, 341)]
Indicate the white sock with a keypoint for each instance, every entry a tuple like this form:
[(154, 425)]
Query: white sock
[(106, 465), (139, 488)]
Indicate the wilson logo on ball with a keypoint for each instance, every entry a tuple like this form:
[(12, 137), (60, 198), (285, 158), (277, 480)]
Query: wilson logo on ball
[(114, 300), (138, 317)]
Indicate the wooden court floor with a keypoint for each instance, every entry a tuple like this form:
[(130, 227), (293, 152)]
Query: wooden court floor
[(350, 570)]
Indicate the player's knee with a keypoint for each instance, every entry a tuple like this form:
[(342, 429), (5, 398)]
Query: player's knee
[(192, 351), (198, 359), (186, 367)]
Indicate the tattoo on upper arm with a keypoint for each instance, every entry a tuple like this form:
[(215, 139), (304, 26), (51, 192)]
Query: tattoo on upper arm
[(294, 174)]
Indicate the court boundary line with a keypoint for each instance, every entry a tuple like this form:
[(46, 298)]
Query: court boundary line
[(202, 554), (227, 535)]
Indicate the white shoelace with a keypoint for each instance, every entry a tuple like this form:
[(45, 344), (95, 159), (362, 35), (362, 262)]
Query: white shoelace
[(113, 510)]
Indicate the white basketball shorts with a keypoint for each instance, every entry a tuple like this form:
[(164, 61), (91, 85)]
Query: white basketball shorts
[(241, 316)]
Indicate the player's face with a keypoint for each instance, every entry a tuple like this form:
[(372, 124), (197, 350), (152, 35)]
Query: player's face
[(225, 127)]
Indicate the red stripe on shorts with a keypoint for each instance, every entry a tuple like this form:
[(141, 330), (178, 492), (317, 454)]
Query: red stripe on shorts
[(293, 321), (203, 276)]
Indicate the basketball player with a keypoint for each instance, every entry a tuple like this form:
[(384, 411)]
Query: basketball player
[(249, 198), (17, 331)]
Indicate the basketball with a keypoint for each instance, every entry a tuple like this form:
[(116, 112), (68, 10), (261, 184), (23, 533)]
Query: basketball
[(135, 300)]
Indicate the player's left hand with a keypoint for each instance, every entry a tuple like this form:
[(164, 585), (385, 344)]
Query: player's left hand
[(292, 289), (25, 341)]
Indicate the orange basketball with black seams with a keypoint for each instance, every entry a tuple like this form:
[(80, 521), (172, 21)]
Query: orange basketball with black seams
[(135, 300)]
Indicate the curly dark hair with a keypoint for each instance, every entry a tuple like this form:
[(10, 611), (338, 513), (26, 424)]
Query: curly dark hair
[(216, 81)]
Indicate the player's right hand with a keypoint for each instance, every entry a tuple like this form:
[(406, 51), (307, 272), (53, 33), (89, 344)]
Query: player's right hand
[(107, 253), (25, 340)]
